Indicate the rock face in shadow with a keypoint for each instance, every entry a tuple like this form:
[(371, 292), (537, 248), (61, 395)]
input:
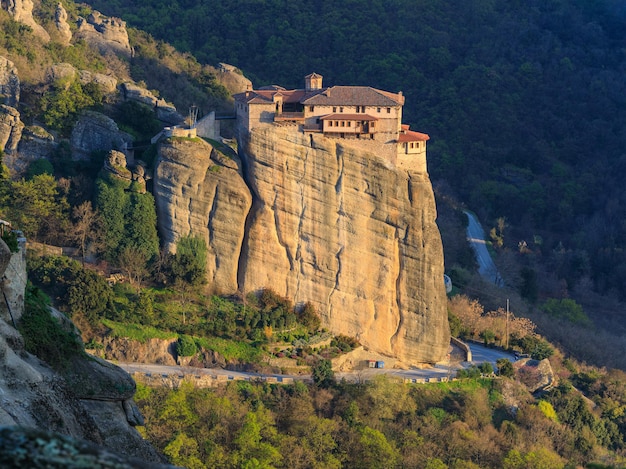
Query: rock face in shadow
[(9, 83), (96, 132), (32, 448), (11, 128), (87, 399), (330, 224)]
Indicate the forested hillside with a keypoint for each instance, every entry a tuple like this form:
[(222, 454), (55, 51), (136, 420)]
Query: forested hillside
[(524, 101)]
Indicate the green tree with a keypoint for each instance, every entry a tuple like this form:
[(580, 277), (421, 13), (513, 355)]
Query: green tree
[(38, 207), (141, 224), (189, 262), (377, 451), (505, 368), (183, 451), (111, 201), (322, 373), (68, 97)]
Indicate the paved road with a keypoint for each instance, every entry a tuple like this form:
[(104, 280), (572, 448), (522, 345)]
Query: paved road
[(476, 237), (440, 371)]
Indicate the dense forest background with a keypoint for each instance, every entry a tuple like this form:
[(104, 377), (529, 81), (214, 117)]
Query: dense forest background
[(525, 103)]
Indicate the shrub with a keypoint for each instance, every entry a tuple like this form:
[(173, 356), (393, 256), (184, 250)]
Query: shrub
[(567, 309), (505, 368), (43, 334), (186, 347), (10, 238)]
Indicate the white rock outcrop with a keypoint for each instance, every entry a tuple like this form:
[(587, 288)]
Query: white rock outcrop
[(63, 28), (22, 12), (104, 34)]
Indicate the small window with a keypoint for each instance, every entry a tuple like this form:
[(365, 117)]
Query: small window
[(334, 108), (362, 108), (343, 124), (378, 110), (372, 124), (336, 123), (311, 108), (330, 123), (388, 110), (341, 109), (417, 145), (372, 136), (412, 144), (349, 124)]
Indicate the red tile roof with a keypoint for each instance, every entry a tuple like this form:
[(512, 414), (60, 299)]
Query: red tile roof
[(354, 96), (410, 136)]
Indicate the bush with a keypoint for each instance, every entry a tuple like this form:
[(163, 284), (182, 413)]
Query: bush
[(505, 368), (186, 347), (567, 309), (10, 238), (344, 343)]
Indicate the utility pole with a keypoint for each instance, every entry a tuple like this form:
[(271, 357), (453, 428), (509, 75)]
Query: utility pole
[(507, 323)]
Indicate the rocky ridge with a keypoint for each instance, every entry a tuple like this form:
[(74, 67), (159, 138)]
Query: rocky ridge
[(330, 224)]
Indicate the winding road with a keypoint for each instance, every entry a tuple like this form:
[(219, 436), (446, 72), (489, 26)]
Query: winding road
[(439, 372), (476, 237)]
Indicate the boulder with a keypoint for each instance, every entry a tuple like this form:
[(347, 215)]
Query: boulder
[(200, 192), (36, 143), (96, 132), (165, 111), (61, 73), (11, 128), (36, 448), (233, 79), (536, 375), (318, 221), (13, 281), (158, 351), (97, 379), (104, 34), (338, 225), (9, 83), (107, 83)]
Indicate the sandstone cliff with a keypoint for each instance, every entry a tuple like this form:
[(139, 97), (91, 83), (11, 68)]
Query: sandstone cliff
[(200, 192), (329, 224)]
